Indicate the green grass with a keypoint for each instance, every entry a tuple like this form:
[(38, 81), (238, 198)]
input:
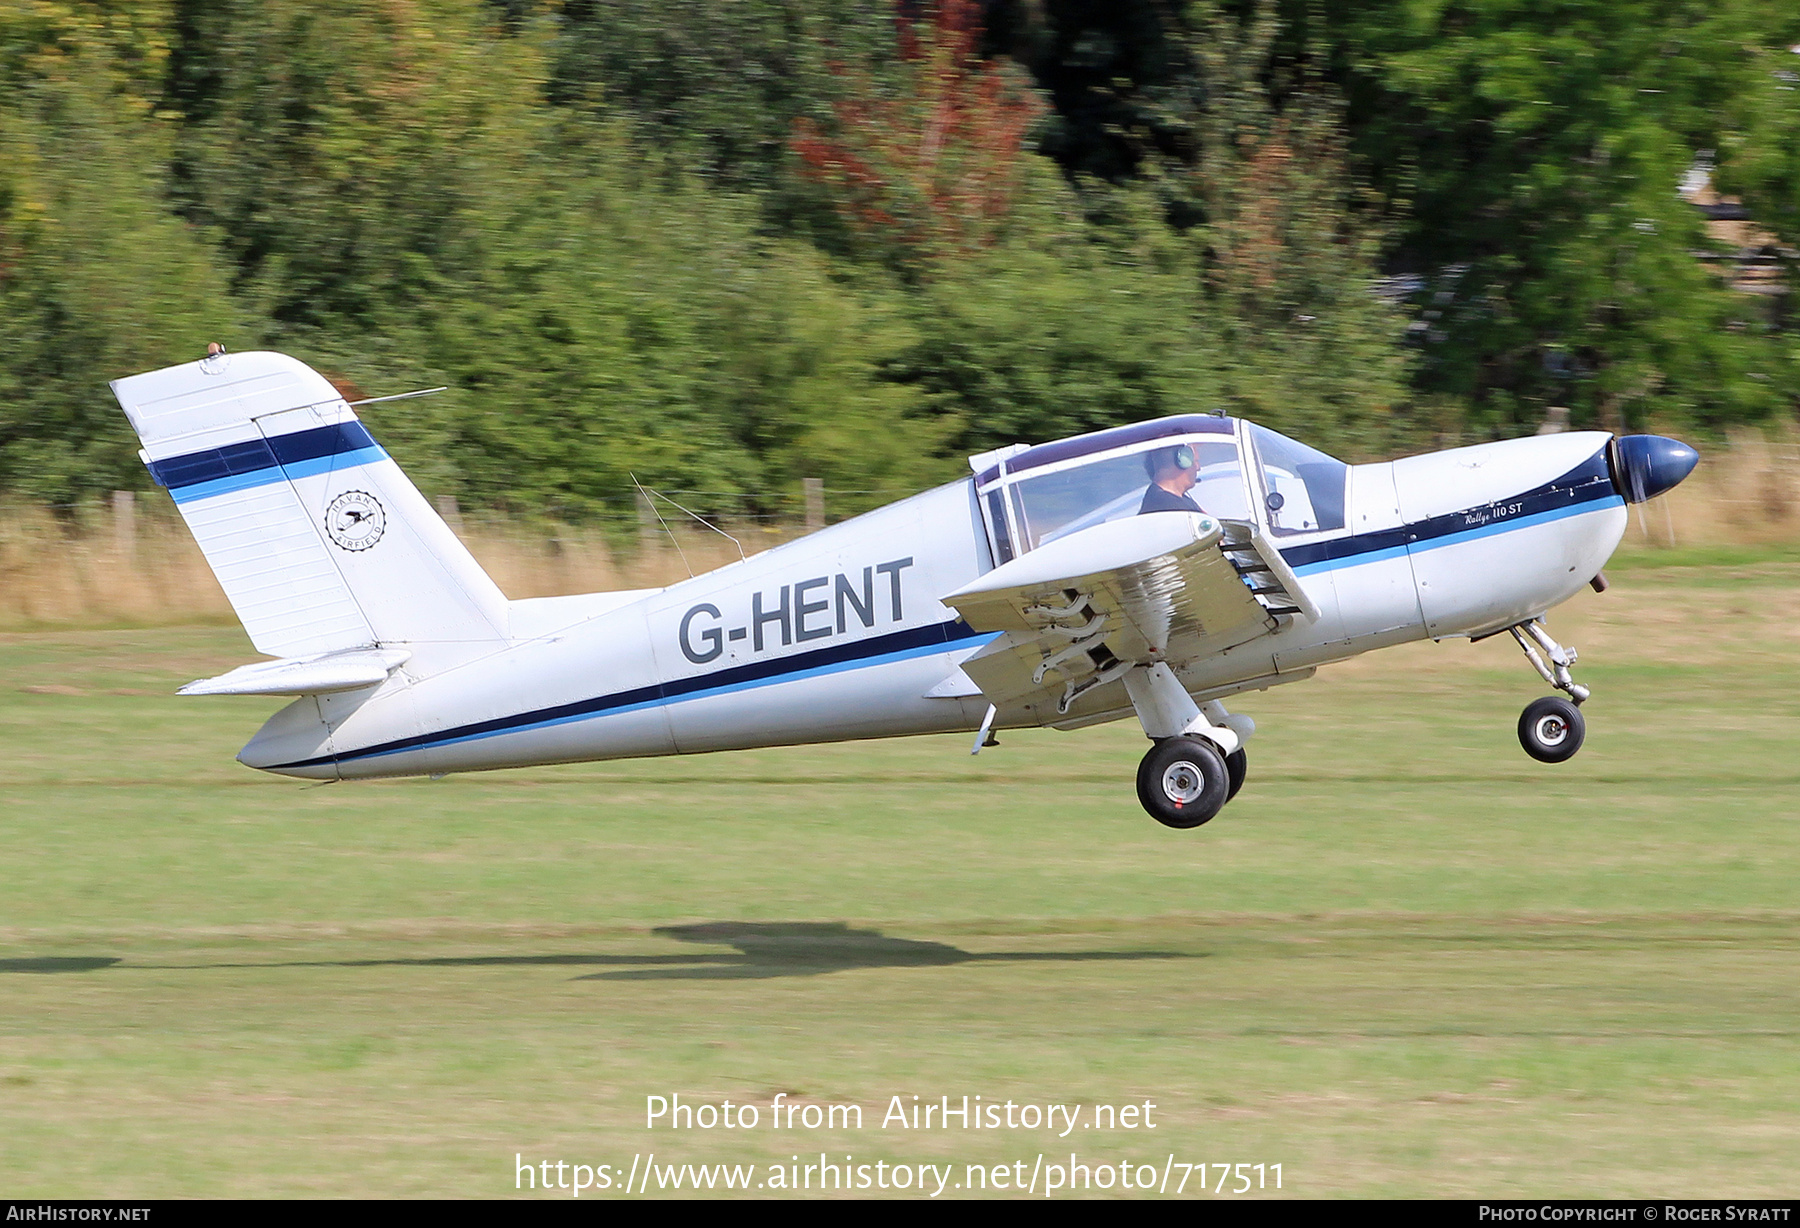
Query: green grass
[(1408, 961), (1639, 557)]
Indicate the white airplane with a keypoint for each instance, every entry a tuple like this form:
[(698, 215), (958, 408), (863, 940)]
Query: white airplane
[(1153, 569)]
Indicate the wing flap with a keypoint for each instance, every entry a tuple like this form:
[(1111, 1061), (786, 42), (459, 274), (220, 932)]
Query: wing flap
[(957, 686)]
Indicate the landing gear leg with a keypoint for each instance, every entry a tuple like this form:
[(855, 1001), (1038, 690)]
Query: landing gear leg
[(1237, 764), (1556, 670), (1551, 729)]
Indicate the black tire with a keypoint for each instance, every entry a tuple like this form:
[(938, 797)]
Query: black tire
[(1551, 729), (1237, 766), (1183, 782)]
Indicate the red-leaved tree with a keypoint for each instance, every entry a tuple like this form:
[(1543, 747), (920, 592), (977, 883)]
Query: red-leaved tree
[(926, 163)]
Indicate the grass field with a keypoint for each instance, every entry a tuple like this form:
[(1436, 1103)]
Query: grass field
[(1407, 961)]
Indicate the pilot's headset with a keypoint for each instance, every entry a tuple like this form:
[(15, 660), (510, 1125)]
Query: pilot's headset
[(1157, 459)]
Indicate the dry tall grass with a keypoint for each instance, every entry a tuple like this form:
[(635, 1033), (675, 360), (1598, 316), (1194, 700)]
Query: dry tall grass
[(141, 567), (110, 565), (1744, 493)]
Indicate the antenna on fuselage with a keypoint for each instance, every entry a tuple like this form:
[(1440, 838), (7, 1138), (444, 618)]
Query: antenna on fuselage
[(703, 520), (651, 504)]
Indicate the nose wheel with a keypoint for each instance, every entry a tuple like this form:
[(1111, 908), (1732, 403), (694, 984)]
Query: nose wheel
[(1551, 729)]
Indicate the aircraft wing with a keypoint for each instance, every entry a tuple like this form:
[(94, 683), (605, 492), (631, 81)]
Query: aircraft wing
[(1077, 612)]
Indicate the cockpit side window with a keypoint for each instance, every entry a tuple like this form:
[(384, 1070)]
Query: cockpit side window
[(1304, 488), (996, 516), (1220, 490), (1075, 497)]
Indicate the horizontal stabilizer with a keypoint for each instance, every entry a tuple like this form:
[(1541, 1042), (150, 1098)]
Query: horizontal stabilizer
[(320, 675)]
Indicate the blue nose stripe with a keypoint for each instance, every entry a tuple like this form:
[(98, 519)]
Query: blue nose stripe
[(1647, 465)]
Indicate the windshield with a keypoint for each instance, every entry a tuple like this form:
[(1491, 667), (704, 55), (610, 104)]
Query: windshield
[(1065, 501), (1303, 487)]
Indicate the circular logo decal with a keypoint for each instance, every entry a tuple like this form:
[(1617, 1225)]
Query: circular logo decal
[(355, 520)]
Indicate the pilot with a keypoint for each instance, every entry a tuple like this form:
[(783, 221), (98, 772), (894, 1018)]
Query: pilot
[(1173, 472)]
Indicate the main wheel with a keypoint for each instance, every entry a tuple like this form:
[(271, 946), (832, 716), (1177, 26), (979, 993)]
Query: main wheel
[(1183, 782), (1237, 766), (1551, 729)]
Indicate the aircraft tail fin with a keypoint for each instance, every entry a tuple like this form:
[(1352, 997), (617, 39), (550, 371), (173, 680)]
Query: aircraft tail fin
[(321, 543)]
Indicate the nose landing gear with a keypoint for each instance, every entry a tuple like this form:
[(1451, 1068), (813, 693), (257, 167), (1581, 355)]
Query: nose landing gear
[(1551, 729)]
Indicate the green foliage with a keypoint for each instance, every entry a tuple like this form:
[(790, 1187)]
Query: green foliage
[(926, 166), (723, 245), (345, 149), (1063, 329), (1050, 334), (97, 279), (718, 84), (1287, 259), (1037, 324), (1535, 150), (1117, 72), (396, 198), (623, 324), (1763, 158)]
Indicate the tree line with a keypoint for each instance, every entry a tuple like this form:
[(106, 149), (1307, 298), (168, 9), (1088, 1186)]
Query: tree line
[(720, 246)]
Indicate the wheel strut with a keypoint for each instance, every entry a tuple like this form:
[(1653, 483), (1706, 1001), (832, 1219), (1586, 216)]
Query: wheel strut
[(1555, 670)]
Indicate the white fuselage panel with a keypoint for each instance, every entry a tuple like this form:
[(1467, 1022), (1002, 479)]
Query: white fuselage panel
[(841, 634)]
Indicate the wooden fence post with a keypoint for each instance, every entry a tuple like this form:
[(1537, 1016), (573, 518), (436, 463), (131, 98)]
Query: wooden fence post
[(124, 510), (452, 514)]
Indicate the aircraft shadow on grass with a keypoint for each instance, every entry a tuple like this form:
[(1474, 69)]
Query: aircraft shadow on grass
[(59, 963), (764, 949), (809, 948)]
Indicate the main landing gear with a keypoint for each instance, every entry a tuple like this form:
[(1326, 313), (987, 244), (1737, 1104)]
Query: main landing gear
[(1183, 782), (1550, 729), (1198, 763)]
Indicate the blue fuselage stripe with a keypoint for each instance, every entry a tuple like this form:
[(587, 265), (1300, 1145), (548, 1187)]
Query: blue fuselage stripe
[(860, 654), (1353, 560), (818, 671), (1506, 526), (1490, 529), (1587, 487)]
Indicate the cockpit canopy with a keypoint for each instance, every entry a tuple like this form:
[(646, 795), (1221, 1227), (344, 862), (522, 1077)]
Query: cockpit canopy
[(1036, 495)]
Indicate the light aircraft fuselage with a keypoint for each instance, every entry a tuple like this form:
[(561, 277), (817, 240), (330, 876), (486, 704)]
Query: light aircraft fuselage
[(1034, 591)]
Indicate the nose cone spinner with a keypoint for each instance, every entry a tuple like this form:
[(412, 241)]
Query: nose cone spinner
[(1644, 466)]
